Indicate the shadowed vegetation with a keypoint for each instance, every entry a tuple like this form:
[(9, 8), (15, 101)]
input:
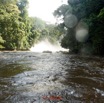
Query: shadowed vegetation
[(84, 20)]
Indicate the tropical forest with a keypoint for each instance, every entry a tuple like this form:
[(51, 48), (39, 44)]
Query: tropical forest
[(51, 51)]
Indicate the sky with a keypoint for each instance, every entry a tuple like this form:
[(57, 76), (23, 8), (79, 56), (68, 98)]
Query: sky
[(44, 9)]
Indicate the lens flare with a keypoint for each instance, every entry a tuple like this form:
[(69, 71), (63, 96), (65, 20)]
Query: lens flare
[(70, 20), (82, 35), (82, 31)]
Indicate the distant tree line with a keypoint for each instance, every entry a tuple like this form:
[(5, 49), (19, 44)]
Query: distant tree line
[(85, 15), (18, 31)]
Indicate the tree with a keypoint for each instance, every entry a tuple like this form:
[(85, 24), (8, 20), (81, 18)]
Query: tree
[(81, 12), (1, 42), (18, 31), (9, 15), (14, 28)]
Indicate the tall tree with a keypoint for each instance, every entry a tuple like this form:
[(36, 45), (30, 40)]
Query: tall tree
[(75, 15)]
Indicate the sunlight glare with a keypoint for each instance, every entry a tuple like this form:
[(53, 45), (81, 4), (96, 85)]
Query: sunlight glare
[(44, 9), (45, 45)]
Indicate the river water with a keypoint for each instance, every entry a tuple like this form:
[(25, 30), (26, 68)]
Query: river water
[(29, 77)]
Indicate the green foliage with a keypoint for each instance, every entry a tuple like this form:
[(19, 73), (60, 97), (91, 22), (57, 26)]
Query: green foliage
[(18, 31), (36, 27), (41, 30), (23, 5), (53, 33), (12, 28), (1, 42), (92, 13), (62, 10), (101, 14), (37, 23), (8, 21)]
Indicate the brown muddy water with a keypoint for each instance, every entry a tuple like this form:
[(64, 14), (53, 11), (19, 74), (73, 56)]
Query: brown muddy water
[(29, 77)]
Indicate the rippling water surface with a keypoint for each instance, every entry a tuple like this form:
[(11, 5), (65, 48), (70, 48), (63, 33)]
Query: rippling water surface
[(28, 77)]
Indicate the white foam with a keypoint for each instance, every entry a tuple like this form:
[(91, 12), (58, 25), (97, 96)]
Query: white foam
[(45, 45)]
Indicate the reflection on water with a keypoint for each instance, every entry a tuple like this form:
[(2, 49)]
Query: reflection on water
[(28, 77)]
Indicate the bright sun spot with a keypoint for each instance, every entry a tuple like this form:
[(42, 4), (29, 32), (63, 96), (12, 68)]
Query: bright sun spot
[(44, 9), (45, 45)]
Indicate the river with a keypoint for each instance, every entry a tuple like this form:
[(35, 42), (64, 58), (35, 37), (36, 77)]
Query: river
[(29, 77)]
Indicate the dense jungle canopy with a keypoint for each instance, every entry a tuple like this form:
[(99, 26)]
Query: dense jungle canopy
[(18, 31), (84, 24)]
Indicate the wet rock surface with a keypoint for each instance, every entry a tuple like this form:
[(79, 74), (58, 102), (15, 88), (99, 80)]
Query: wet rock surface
[(28, 77)]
